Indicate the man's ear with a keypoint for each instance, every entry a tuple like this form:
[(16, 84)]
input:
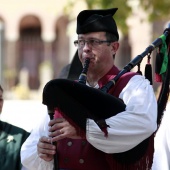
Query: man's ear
[(115, 46)]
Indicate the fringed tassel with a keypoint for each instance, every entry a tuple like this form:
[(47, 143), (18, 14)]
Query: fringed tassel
[(144, 163), (148, 70), (158, 77)]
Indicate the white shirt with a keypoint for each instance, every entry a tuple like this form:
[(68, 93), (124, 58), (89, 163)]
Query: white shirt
[(161, 159), (127, 129)]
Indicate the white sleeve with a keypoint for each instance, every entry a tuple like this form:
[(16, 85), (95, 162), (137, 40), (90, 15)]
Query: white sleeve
[(162, 144), (29, 155), (131, 127)]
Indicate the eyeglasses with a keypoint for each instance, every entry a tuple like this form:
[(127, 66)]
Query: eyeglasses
[(92, 43)]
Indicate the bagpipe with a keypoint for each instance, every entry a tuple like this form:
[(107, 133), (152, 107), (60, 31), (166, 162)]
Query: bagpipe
[(79, 102)]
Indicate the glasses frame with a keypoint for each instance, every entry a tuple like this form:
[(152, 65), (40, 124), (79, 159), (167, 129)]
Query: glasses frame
[(91, 42)]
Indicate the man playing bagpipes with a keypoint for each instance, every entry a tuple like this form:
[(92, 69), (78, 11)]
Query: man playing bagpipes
[(91, 129)]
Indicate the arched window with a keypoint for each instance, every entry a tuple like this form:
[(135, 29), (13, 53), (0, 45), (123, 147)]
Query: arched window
[(31, 49)]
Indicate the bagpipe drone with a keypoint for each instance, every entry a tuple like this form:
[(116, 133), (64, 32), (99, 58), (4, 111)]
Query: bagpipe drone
[(78, 102)]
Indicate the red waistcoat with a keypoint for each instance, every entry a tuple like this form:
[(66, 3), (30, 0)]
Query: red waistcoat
[(80, 155)]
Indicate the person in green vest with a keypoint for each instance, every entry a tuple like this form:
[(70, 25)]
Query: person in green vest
[(11, 140)]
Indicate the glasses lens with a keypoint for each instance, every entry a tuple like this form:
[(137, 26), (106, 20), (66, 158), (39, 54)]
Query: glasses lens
[(76, 43), (92, 43), (81, 43)]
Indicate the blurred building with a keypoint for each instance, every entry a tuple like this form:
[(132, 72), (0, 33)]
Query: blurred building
[(35, 34), (36, 40)]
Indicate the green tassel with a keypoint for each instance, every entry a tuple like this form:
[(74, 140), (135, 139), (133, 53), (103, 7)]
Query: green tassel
[(164, 51)]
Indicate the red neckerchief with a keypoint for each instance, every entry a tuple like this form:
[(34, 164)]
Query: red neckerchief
[(108, 76)]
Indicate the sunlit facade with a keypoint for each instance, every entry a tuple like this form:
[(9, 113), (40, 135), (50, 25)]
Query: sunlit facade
[(35, 34), (36, 41)]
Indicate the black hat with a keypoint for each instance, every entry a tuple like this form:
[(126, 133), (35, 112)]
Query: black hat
[(97, 20)]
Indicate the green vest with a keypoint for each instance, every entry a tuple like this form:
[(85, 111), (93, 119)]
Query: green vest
[(11, 140)]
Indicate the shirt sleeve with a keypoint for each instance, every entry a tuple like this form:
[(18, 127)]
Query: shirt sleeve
[(29, 155), (130, 127), (161, 158)]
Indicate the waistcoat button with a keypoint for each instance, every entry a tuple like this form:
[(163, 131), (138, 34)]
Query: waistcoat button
[(69, 143), (81, 161)]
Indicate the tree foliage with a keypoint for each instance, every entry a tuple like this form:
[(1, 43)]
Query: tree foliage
[(121, 15), (158, 10)]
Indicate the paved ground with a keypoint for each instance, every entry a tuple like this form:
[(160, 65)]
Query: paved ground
[(23, 113)]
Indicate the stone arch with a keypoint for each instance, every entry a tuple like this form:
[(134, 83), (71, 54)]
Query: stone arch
[(30, 49), (60, 45)]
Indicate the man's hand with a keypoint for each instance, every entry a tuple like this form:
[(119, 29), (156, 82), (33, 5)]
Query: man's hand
[(60, 129), (46, 149)]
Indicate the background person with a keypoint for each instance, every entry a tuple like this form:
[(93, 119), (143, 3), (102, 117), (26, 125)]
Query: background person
[(162, 144), (11, 139)]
